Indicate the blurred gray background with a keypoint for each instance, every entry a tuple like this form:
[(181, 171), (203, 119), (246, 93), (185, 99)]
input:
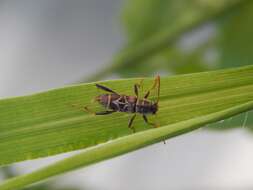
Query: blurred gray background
[(48, 44)]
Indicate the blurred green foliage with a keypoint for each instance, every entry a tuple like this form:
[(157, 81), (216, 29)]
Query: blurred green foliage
[(222, 41), (156, 32), (235, 40)]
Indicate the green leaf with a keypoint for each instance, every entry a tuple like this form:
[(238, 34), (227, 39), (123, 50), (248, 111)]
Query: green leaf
[(47, 123), (235, 42), (144, 19), (121, 146)]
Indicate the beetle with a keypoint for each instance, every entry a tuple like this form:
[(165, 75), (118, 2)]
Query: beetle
[(115, 102)]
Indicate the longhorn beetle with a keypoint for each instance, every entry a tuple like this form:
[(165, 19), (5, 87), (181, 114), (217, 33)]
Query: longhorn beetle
[(115, 102)]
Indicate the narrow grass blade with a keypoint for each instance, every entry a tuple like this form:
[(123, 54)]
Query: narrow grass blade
[(47, 123), (121, 146)]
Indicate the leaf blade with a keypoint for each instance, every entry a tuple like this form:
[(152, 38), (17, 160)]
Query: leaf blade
[(46, 123), (122, 145)]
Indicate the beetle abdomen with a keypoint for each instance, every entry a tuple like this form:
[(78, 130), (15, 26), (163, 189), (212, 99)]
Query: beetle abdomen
[(130, 104), (120, 103)]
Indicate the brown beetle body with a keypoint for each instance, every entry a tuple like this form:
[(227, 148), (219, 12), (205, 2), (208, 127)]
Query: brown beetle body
[(129, 104), (114, 102)]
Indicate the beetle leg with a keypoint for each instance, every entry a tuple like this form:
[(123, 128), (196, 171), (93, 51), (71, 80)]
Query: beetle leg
[(136, 90), (105, 89), (146, 120), (105, 112), (137, 86), (153, 124), (98, 113), (147, 94), (131, 122), (155, 85)]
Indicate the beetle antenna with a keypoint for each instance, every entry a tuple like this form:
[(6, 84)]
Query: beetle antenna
[(88, 110)]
